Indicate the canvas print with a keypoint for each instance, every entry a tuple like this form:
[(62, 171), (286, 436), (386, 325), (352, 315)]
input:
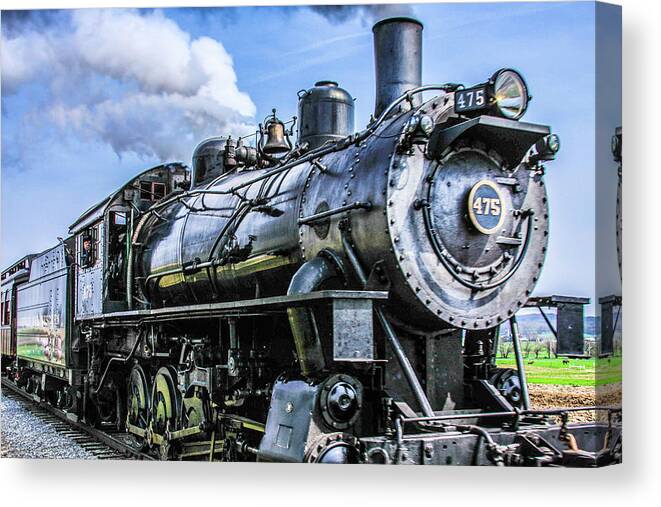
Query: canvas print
[(345, 234)]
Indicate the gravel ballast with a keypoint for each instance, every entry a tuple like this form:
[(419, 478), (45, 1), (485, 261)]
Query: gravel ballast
[(23, 435)]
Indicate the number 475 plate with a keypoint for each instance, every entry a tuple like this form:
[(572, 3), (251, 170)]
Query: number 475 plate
[(470, 99)]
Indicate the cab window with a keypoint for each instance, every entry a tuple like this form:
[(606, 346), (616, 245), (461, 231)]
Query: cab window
[(117, 238), (152, 190), (118, 218), (89, 247)]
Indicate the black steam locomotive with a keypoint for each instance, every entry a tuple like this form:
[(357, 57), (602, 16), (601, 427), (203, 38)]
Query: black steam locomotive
[(332, 299)]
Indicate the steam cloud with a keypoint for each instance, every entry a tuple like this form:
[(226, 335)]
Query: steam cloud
[(137, 82), (133, 80), (337, 14)]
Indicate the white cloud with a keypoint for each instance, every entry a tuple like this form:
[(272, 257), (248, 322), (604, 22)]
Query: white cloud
[(22, 59), (161, 90)]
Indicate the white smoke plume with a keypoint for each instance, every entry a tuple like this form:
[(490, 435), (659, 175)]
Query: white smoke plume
[(22, 58), (135, 81), (369, 13)]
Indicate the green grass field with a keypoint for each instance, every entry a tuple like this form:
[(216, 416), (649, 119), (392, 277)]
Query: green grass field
[(577, 372)]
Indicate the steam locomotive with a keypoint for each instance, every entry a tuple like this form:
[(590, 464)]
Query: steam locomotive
[(330, 299)]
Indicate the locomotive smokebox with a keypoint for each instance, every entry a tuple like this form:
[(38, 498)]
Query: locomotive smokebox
[(398, 60)]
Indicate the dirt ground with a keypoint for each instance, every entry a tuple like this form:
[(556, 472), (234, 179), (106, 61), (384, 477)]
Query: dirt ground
[(553, 396)]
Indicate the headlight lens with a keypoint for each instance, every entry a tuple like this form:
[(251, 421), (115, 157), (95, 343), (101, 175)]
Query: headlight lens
[(547, 147), (510, 94), (426, 124), (553, 143)]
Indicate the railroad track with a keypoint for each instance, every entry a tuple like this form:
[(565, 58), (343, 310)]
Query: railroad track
[(100, 443)]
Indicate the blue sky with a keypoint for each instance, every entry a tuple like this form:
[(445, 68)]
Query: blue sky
[(100, 100)]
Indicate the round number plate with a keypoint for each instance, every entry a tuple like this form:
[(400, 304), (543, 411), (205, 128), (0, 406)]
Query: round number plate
[(485, 207)]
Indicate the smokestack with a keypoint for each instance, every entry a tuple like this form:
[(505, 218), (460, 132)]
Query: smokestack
[(398, 60)]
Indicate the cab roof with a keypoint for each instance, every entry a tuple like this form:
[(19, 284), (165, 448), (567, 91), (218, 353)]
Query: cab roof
[(96, 212)]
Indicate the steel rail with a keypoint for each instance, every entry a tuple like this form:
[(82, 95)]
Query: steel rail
[(95, 433)]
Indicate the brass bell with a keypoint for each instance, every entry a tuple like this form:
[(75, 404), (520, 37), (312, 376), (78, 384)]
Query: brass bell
[(276, 137)]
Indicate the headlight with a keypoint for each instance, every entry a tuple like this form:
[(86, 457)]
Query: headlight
[(546, 148), (426, 124), (510, 93), (418, 128), (553, 143), (505, 94)]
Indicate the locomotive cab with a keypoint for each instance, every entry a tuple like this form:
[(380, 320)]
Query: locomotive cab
[(103, 239)]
